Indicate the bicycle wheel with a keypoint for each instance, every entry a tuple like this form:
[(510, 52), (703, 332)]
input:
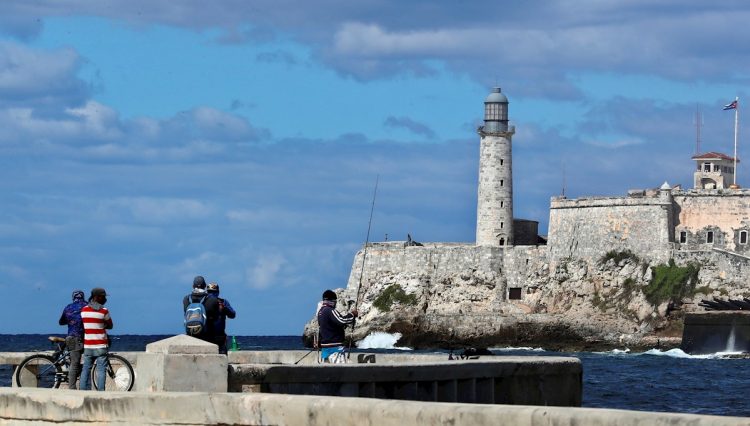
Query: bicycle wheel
[(38, 371), (120, 375)]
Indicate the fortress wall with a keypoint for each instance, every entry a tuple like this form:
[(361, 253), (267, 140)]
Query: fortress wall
[(522, 262), (719, 269), (725, 212), (429, 260), (589, 227)]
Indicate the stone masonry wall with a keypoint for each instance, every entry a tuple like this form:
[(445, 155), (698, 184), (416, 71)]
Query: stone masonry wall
[(412, 266), (725, 212), (586, 228)]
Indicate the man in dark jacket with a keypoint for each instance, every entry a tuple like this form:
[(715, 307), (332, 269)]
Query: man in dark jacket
[(332, 325), (210, 303), (71, 316), (225, 311)]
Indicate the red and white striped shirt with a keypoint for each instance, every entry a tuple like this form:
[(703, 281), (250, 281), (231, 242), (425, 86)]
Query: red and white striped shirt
[(94, 323)]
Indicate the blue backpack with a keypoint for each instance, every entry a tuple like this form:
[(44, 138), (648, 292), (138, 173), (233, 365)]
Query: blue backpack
[(195, 317)]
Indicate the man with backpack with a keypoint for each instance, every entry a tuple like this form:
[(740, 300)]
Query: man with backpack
[(201, 312), (71, 316), (225, 311)]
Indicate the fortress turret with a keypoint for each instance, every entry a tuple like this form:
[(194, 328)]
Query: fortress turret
[(495, 198)]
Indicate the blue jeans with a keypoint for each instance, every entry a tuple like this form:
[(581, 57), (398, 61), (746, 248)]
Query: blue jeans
[(89, 356)]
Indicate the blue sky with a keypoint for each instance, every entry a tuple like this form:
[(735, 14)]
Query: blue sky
[(143, 143)]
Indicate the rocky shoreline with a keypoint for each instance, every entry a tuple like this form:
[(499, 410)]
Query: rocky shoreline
[(618, 301)]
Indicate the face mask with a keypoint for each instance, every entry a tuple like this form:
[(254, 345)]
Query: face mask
[(104, 300)]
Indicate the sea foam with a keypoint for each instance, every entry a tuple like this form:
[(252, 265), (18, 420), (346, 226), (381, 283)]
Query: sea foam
[(380, 340)]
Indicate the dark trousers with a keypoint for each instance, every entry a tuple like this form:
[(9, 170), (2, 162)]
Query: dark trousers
[(75, 346), (221, 341)]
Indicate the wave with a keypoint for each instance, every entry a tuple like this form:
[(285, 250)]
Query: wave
[(381, 340), (679, 353), (519, 348)]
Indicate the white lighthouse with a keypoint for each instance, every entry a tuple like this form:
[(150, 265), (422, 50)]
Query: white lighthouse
[(495, 200)]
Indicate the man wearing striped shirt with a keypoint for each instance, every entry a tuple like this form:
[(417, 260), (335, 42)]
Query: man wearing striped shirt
[(96, 322)]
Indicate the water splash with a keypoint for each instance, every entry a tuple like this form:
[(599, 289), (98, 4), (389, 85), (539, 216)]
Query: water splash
[(380, 340), (731, 341)]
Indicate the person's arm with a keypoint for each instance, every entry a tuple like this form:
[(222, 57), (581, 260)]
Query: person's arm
[(63, 319), (185, 302), (342, 319), (228, 309), (108, 322)]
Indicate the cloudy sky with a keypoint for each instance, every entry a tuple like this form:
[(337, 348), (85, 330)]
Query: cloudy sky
[(143, 143)]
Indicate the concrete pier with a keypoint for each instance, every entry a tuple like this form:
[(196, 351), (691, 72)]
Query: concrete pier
[(183, 363), (490, 380), (43, 406)]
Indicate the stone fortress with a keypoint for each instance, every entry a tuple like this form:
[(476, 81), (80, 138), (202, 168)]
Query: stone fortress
[(593, 280)]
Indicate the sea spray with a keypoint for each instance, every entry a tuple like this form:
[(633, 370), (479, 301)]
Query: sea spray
[(731, 341), (380, 340)]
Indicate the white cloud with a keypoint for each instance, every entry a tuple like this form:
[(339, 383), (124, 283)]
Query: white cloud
[(152, 210), (266, 270)]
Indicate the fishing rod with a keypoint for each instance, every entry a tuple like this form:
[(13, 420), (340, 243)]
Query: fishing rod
[(364, 259), (367, 241)]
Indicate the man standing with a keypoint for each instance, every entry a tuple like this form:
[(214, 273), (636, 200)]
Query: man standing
[(211, 305), (225, 311), (332, 328), (71, 316), (96, 321)]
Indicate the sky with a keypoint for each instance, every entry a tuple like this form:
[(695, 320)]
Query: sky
[(143, 143)]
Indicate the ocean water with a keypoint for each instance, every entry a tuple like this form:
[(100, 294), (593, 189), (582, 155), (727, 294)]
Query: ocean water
[(648, 381)]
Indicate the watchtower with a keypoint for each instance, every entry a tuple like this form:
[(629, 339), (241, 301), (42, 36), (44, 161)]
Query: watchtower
[(495, 194), (714, 171)]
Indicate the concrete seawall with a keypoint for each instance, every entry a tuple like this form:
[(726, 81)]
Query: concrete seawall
[(40, 406)]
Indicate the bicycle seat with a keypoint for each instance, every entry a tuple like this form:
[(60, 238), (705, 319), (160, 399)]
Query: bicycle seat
[(56, 339)]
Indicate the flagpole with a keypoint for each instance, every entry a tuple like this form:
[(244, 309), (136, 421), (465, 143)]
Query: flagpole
[(736, 120)]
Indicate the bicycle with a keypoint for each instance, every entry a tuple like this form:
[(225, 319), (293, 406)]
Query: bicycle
[(50, 371)]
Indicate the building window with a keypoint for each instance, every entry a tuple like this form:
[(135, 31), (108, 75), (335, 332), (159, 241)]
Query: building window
[(743, 237), (501, 225), (706, 167), (514, 293), (502, 241), (710, 237), (716, 167), (501, 204), (501, 161), (683, 237), (501, 182)]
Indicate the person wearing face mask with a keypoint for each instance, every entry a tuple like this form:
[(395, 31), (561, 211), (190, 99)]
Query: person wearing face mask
[(96, 322), (332, 325)]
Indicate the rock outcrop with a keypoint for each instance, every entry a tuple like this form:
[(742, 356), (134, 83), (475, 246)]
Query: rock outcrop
[(458, 295)]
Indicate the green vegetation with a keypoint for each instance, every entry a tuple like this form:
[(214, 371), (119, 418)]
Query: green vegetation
[(393, 294), (619, 256), (671, 282)]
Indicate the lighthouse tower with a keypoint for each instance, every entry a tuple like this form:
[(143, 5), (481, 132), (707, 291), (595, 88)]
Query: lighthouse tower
[(495, 200)]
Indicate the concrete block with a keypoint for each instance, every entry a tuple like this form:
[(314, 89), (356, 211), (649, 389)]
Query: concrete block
[(181, 363), (182, 344)]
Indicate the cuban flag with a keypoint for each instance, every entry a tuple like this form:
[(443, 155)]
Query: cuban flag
[(733, 105)]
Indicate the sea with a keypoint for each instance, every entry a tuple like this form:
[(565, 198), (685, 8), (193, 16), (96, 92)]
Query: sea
[(654, 380)]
